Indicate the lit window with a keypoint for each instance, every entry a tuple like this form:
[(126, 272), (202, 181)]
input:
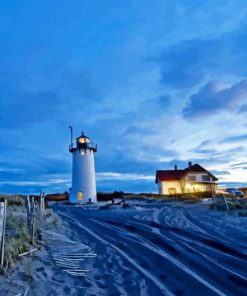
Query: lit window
[(80, 195)]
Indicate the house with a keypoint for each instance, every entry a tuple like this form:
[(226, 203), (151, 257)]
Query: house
[(192, 179)]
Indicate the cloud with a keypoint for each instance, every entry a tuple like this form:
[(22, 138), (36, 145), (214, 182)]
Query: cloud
[(6, 174), (126, 186), (243, 109), (19, 189), (35, 174), (204, 151), (236, 149), (189, 62), (234, 139), (18, 110), (220, 173), (203, 144), (54, 166), (213, 160), (27, 187), (238, 164), (212, 98), (164, 101), (43, 183), (233, 184), (123, 176), (112, 90), (41, 98)]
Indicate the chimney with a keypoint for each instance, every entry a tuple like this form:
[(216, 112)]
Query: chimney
[(175, 167), (190, 164)]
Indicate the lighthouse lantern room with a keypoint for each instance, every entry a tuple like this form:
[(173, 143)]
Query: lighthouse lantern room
[(83, 170)]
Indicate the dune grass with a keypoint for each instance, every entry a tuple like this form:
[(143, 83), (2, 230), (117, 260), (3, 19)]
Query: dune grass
[(17, 239)]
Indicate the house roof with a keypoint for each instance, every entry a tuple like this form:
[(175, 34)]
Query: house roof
[(175, 175), (169, 175)]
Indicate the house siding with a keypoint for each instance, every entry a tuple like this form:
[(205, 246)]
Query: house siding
[(198, 177), (164, 187)]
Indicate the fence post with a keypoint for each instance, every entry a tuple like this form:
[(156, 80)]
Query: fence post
[(214, 198), (42, 203), (30, 216), (32, 219), (3, 230), (225, 202), (28, 207)]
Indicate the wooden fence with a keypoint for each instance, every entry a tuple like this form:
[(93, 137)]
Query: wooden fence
[(35, 211)]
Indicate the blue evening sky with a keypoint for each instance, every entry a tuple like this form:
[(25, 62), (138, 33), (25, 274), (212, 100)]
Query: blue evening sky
[(153, 83)]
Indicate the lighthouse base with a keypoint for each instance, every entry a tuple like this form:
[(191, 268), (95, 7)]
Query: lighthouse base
[(79, 197)]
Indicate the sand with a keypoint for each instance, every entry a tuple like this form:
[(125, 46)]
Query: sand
[(150, 248)]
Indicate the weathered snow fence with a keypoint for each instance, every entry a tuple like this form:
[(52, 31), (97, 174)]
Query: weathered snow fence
[(35, 212), (220, 202), (67, 254), (3, 210), (230, 204)]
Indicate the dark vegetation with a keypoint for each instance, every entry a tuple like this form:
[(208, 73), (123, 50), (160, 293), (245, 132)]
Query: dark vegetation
[(57, 197), (116, 195), (101, 196), (106, 196), (16, 199)]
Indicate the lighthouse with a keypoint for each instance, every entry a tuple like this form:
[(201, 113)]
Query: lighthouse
[(83, 171)]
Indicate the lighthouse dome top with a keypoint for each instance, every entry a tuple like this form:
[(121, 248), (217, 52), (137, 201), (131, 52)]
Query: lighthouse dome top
[(83, 143), (83, 139)]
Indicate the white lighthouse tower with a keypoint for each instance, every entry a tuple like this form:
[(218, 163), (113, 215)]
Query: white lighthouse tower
[(83, 171)]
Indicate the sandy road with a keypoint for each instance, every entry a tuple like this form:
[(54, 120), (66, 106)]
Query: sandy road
[(163, 249)]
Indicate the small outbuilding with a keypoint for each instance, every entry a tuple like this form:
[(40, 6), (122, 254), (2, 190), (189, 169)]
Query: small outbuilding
[(244, 190), (192, 179)]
